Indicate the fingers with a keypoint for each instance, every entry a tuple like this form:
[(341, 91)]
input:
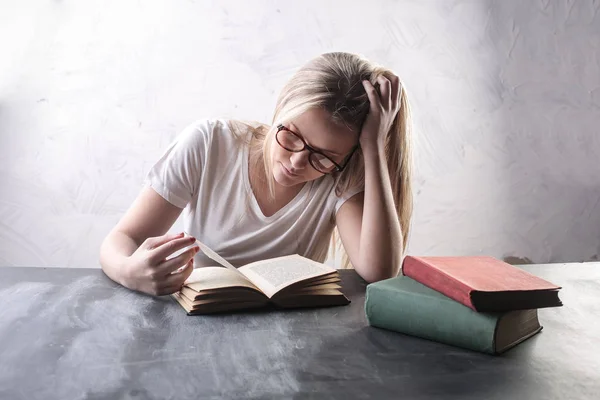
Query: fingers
[(372, 95), (168, 266), (175, 281), (154, 242), (389, 92), (396, 91), (385, 88), (160, 253)]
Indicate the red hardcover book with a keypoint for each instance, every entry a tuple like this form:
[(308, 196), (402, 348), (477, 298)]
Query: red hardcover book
[(482, 283)]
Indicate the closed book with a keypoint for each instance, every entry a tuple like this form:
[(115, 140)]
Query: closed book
[(404, 305), (483, 283)]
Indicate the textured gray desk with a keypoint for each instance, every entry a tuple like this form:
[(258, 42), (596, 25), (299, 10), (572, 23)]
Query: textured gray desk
[(73, 334)]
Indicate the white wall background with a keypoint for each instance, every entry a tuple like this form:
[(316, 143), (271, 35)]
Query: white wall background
[(506, 100)]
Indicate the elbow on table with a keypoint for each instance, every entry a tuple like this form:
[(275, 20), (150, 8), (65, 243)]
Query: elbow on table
[(372, 275)]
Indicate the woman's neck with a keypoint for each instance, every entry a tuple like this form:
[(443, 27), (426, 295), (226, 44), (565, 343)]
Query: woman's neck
[(260, 187)]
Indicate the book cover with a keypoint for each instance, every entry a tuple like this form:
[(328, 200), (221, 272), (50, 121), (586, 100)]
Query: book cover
[(404, 305), (482, 283)]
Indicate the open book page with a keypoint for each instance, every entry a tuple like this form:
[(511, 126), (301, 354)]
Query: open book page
[(275, 274), (213, 255), (207, 278)]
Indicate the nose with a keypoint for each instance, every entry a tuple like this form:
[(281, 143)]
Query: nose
[(300, 159)]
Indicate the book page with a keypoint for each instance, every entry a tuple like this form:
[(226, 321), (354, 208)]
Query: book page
[(207, 278), (213, 255), (327, 286), (274, 274)]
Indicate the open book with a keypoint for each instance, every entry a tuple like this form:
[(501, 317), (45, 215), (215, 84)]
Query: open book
[(287, 282)]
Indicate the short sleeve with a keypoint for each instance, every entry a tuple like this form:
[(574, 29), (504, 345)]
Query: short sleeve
[(176, 174), (345, 197)]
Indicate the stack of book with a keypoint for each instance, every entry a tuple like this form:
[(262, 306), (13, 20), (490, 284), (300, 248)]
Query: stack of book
[(478, 303)]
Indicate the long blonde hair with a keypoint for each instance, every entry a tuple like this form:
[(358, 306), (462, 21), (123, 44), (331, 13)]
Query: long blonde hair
[(333, 81)]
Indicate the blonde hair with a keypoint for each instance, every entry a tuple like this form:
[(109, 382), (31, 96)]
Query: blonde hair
[(333, 81)]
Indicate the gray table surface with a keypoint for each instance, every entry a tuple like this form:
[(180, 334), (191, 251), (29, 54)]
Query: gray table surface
[(74, 334)]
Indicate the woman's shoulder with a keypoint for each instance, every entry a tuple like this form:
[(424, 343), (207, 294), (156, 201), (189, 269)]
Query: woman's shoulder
[(204, 132), (224, 129), (205, 126), (245, 130)]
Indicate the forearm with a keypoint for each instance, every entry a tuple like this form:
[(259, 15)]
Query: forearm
[(115, 250), (380, 236)]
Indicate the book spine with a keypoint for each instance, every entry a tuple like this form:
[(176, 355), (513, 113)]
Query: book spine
[(431, 277), (432, 318)]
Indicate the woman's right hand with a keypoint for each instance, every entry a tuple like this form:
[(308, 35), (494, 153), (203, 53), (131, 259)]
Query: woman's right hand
[(148, 270)]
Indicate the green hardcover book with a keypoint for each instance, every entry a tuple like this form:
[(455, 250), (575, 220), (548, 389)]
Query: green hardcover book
[(404, 305)]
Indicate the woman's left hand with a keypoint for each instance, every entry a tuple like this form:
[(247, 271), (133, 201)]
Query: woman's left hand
[(382, 112)]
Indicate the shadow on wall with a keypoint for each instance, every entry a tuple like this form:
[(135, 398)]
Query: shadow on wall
[(549, 54), (517, 260)]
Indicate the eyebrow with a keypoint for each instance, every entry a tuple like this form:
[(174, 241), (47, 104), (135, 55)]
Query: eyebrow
[(295, 129)]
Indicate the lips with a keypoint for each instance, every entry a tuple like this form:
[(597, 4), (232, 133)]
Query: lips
[(287, 171)]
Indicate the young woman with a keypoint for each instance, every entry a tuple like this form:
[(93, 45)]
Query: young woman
[(336, 159)]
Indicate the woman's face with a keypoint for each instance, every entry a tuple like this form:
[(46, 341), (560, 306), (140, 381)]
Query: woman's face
[(318, 130)]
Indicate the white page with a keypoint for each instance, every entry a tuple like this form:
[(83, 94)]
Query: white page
[(208, 278), (214, 256), (277, 273)]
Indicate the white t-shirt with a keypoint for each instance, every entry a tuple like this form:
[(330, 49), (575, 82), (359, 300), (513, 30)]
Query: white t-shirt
[(205, 172)]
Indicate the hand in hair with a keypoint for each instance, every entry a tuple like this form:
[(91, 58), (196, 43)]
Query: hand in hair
[(383, 110)]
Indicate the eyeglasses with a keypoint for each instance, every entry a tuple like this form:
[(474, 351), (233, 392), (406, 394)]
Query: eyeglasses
[(293, 142)]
